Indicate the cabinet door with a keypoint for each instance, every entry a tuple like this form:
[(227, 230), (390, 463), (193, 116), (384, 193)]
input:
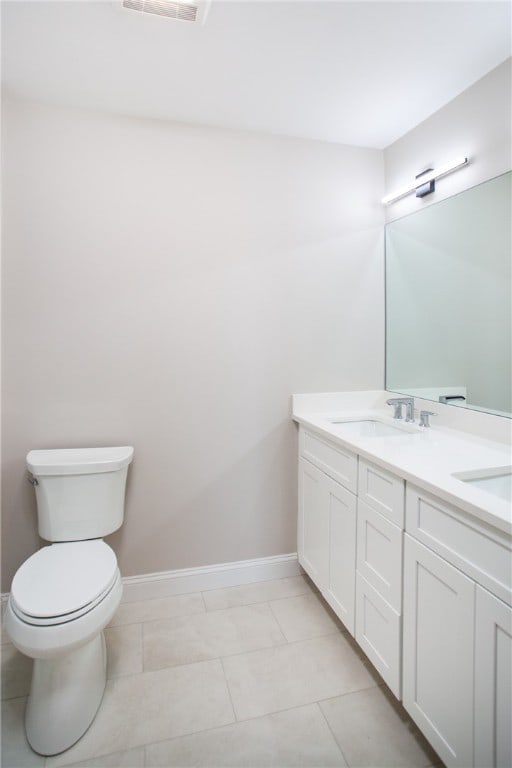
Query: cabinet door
[(493, 682), (438, 652), (378, 628), (340, 593), (379, 554), (313, 524)]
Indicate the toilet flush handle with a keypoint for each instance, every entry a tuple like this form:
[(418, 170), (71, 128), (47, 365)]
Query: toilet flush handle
[(33, 480)]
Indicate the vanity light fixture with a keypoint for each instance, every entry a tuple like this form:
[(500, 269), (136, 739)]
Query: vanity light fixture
[(424, 183)]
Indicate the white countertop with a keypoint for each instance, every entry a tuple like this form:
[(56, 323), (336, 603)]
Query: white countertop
[(425, 457)]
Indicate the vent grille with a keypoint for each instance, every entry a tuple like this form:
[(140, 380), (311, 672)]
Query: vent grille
[(166, 8)]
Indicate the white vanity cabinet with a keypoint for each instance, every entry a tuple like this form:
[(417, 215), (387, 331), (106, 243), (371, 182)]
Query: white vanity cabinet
[(493, 681), (327, 522), (380, 516), (438, 653), (457, 633), (351, 545)]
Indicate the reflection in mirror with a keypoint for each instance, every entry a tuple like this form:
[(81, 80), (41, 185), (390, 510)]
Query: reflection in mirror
[(449, 300)]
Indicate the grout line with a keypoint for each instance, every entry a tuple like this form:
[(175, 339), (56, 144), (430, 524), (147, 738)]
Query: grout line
[(331, 731), (237, 722), (229, 691), (283, 633)]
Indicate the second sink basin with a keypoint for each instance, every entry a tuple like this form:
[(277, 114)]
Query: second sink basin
[(368, 428), (497, 481)]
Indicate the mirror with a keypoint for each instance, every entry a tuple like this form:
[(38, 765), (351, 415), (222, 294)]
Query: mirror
[(449, 300)]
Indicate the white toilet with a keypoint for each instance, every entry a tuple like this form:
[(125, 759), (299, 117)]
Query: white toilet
[(64, 595)]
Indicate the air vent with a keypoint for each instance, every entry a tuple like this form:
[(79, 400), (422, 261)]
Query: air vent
[(192, 11)]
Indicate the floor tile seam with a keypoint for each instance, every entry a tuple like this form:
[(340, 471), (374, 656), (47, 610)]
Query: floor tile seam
[(342, 629), (326, 721), (17, 698), (13, 698), (149, 620), (253, 602), (214, 728), (228, 688), (277, 619), (220, 657), (201, 613), (161, 669), (282, 645), (278, 624)]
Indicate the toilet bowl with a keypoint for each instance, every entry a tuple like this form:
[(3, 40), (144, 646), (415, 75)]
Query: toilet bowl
[(61, 599), (65, 594)]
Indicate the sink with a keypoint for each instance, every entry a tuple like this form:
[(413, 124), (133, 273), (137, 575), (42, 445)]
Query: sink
[(496, 481), (368, 428)]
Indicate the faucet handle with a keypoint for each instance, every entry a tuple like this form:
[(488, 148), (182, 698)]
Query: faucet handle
[(397, 403), (424, 418)]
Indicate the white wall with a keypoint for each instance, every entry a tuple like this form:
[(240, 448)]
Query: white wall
[(170, 286), (476, 124)]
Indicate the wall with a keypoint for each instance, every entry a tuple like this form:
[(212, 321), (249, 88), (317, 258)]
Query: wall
[(476, 124), (170, 286)]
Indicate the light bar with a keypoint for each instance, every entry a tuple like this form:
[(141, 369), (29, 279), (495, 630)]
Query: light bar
[(425, 178)]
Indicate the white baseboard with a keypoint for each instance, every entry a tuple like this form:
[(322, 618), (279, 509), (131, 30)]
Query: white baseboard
[(167, 583)]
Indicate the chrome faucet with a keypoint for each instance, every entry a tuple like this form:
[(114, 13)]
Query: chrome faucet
[(424, 418), (397, 403)]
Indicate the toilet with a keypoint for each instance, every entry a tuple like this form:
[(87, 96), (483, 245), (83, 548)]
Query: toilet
[(64, 595)]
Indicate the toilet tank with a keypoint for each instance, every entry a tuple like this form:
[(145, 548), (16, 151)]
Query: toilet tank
[(79, 491)]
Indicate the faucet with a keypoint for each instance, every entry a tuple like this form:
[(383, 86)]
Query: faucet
[(424, 418), (397, 403)]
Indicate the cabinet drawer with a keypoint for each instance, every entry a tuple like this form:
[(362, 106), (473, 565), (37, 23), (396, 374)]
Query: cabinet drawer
[(481, 552), (378, 632), (382, 491), (335, 461), (379, 553)]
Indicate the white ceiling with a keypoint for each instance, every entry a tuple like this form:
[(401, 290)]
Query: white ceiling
[(360, 73)]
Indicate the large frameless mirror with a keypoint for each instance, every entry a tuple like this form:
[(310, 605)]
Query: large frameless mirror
[(449, 300)]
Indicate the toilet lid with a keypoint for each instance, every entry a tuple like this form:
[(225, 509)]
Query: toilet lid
[(63, 578)]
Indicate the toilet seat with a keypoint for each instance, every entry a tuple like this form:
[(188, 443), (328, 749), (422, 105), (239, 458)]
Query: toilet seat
[(63, 581)]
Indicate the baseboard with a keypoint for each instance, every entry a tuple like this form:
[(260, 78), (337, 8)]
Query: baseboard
[(167, 583)]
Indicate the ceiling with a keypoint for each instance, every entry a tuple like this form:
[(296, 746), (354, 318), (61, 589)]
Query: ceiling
[(360, 73)]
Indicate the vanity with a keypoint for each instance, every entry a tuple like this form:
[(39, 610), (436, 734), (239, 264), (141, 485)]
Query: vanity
[(407, 533)]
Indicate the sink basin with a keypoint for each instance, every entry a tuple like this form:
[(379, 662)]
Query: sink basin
[(367, 428), (497, 481)]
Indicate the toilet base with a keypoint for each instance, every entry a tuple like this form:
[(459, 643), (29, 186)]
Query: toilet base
[(65, 694)]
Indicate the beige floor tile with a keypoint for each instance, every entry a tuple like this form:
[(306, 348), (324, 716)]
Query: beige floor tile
[(259, 592), (305, 616), (161, 608), (124, 650), (299, 673), (16, 752), (297, 737), (183, 640), (131, 758), (372, 729), (16, 672), (153, 706)]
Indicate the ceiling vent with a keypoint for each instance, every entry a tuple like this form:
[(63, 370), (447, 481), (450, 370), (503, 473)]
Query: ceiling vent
[(195, 11)]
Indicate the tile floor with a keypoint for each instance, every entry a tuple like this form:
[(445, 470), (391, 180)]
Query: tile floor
[(257, 675)]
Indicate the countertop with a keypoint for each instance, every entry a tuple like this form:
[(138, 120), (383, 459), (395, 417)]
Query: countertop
[(427, 457)]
